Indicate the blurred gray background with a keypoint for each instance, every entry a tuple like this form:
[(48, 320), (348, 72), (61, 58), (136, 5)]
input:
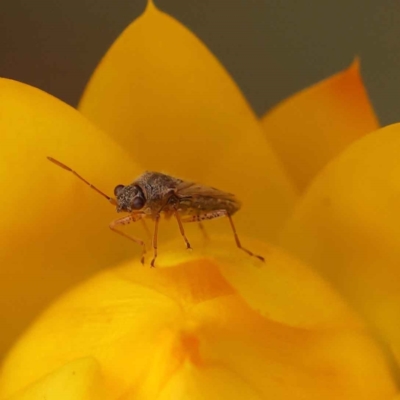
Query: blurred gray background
[(272, 48)]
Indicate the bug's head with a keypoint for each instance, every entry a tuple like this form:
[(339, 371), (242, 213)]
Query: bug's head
[(129, 198)]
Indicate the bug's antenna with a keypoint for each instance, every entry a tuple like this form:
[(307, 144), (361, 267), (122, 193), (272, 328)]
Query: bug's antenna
[(60, 164)]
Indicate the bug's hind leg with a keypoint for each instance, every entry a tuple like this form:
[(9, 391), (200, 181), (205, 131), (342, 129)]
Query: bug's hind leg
[(238, 244), (217, 214), (204, 232), (178, 218)]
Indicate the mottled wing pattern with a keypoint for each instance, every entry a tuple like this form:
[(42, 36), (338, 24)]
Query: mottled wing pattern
[(198, 199), (191, 189)]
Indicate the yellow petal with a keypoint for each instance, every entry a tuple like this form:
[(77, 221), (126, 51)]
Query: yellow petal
[(282, 289), (294, 296), (165, 98), (53, 228), (183, 331), (313, 126), (348, 227), (213, 384), (275, 363), (78, 380)]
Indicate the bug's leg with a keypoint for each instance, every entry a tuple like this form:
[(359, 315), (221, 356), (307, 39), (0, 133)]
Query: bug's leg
[(157, 219), (205, 235), (146, 228), (60, 164), (125, 221), (178, 218), (238, 244), (217, 214)]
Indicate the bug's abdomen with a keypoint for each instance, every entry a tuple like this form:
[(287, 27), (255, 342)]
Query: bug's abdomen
[(203, 204)]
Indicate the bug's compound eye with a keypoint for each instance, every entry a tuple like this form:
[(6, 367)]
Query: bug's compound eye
[(118, 190), (138, 202)]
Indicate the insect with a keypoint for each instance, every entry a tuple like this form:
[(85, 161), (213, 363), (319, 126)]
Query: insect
[(154, 194)]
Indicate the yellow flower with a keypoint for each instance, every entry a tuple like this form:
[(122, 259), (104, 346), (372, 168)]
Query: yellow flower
[(213, 323)]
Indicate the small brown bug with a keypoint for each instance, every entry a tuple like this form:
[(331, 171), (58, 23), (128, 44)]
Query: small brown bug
[(154, 193)]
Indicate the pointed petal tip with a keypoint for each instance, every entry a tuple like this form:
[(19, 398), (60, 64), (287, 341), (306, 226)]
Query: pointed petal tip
[(150, 6), (328, 116), (160, 69), (355, 64)]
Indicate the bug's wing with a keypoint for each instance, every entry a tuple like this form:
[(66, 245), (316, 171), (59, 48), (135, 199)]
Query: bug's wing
[(199, 199), (191, 189)]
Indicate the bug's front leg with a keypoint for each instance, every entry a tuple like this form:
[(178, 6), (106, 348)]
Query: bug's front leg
[(155, 238), (146, 228), (125, 221)]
